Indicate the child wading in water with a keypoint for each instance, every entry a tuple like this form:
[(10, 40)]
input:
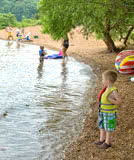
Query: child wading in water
[(42, 53), (109, 99)]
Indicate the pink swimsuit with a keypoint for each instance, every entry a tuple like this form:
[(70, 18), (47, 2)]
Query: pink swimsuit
[(60, 53)]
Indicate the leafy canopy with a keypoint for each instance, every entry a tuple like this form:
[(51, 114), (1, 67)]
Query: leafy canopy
[(96, 16)]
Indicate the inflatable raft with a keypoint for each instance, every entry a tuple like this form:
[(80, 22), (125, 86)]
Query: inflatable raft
[(124, 62), (124, 54), (54, 56)]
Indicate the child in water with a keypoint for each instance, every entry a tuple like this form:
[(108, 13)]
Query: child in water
[(42, 53), (108, 102), (9, 31), (17, 33)]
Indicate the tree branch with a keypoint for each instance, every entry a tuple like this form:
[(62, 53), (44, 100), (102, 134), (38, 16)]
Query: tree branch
[(128, 34)]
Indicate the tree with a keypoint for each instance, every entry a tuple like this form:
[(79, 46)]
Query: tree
[(19, 8), (109, 20), (6, 20), (56, 18)]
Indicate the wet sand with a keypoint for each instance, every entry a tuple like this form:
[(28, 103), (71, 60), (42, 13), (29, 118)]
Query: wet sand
[(93, 52)]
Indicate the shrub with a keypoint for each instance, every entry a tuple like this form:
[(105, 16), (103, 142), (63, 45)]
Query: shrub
[(6, 20)]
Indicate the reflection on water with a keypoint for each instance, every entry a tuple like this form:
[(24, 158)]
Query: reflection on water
[(44, 103), (9, 43), (18, 44), (64, 70), (40, 70), (63, 76)]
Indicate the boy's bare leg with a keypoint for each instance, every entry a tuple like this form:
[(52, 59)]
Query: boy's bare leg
[(102, 134), (108, 137)]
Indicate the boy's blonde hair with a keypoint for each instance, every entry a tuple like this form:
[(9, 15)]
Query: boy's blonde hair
[(110, 75), (42, 47)]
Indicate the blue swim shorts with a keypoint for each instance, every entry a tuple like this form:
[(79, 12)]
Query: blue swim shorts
[(107, 121)]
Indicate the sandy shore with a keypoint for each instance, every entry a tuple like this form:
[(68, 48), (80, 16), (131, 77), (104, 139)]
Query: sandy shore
[(93, 53)]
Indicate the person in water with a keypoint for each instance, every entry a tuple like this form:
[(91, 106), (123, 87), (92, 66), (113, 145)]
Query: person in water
[(108, 102), (65, 45), (17, 33), (42, 53), (20, 34), (9, 31)]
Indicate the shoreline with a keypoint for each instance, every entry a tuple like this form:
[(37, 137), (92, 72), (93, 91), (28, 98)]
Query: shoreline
[(93, 53)]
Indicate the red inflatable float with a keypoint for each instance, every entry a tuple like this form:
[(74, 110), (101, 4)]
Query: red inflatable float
[(124, 62)]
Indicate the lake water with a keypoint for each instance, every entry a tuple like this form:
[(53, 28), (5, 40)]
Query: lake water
[(45, 103)]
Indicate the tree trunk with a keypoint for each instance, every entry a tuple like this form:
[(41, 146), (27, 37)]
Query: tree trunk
[(107, 37), (109, 42)]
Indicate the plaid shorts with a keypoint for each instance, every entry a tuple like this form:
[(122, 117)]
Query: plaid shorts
[(107, 121)]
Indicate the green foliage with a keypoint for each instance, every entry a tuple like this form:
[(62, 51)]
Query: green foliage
[(55, 18), (6, 20), (10, 20), (20, 8), (28, 22)]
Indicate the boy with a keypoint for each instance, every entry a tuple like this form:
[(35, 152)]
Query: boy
[(107, 109), (42, 53)]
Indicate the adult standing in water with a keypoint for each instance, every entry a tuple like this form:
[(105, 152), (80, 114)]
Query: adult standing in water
[(65, 46)]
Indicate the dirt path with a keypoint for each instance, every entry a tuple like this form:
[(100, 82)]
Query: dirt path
[(93, 52)]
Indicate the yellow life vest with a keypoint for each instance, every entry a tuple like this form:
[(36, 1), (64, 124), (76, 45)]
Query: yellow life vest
[(9, 34), (105, 105)]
